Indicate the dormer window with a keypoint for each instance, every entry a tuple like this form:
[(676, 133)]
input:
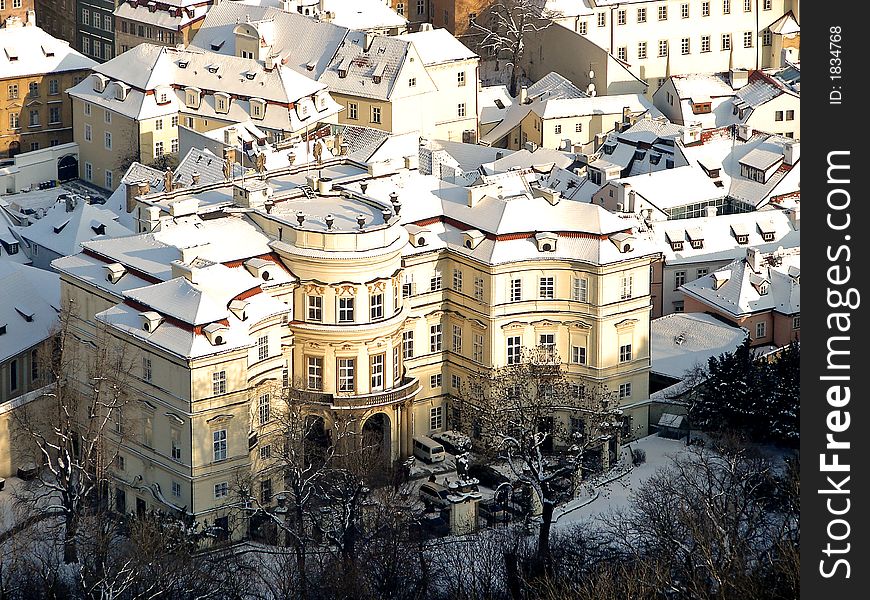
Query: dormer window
[(767, 231), (767, 236), (743, 239), (182, 64), (100, 82), (258, 108), (222, 102), (121, 91), (675, 240), (192, 97), (701, 108)]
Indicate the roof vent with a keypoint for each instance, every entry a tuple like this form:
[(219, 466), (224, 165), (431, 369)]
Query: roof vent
[(216, 333), (623, 241), (258, 267), (150, 321), (418, 235), (239, 308), (471, 238), (114, 272), (546, 241)]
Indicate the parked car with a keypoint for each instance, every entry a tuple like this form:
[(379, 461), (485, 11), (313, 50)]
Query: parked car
[(434, 494), (454, 441), (428, 449)]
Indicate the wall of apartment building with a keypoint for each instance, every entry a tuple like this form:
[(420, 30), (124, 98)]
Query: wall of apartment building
[(364, 113), (33, 168), (95, 28), (672, 298), (455, 15), (17, 447), (544, 131), (599, 326), (96, 158), (58, 18), (457, 91), (416, 11), (17, 9), (610, 35), (129, 34), (781, 115), (749, 322), (50, 105)]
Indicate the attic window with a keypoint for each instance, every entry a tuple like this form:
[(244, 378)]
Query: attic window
[(212, 68), (676, 245), (11, 54), (99, 228), (718, 183), (655, 158), (47, 51), (697, 244), (250, 75), (767, 236), (609, 148), (25, 313), (182, 64), (742, 239), (217, 44), (701, 108)]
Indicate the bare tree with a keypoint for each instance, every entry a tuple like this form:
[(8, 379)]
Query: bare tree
[(530, 415), (504, 29), (74, 426)]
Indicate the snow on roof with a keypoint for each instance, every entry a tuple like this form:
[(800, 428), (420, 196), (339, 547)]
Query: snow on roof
[(743, 294), (755, 94), (438, 46), (28, 50), (669, 188), (680, 341), (701, 87), (29, 307), (364, 14), (554, 86), (598, 105), (541, 158), (785, 25), (62, 231), (761, 158), (180, 299), (299, 41), (204, 163), (164, 14), (470, 157), (671, 420)]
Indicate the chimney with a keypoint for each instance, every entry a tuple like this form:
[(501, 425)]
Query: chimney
[(31, 18), (794, 217), (70, 203), (524, 94), (791, 153), (135, 189), (711, 211), (738, 78), (195, 177), (744, 132), (367, 40), (754, 259)]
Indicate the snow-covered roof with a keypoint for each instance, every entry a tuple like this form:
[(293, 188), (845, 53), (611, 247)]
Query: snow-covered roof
[(554, 86), (774, 286), (559, 108), (167, 14), (299, 41), (69, 223), (701, 87), (680, 341), (669, 188), (28, 50), (785, 25), (438, 46), (29, 307), (364, 14), (205, 164)]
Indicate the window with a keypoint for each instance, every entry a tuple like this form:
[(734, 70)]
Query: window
[(663, 13), (400, 8), (397, 365), (345, 310), (602, 19), (679, 279), (315, 308), (622, 53), (582, 28), (747, 5), (158, 149), (625, 353), (266, 452), (705, 9), (747, 39), (376, 307), (516, 290), (726, 7), (12, 91), (766, 38), (789, 115), (87, 109), (435, 418), (684, 46), (89, 171), (13, 375), (726, 41), (477, 348), (421, 6), (263, 347), (578, 355), (219, 383), (107, 142), (457, 280), (457, 339), (33, 89), (176, 489), (557, 129), (579, 289), (377, 371), (34, 118), (221, 489), (435, 338), (767, 5), (265, 491), (679, 306), (626, 287), (435, 380), (663, 47), (701, 273), (478, 288), (641, 15), (578, 127), (352, 111), (435, 282), (460, 109), (34, 366), (621, 17), (54, 114), (315, 373), (455, 382), (760, 330), (777, 116), (547, 288), (624, 390), (264, 406), (346, 374), (407, 344), (86, 45), (548, 341), (88, 130), (796, 322), (219, 444), (86, 16), (175, 444), (412, 82), (376, 114), (460, 78), (513, 349), (641, 50), (120, 463), (705, 43)]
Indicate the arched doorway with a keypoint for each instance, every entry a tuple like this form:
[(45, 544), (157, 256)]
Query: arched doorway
[(14, 148), (317, 440), (67, 167), (377, 438)]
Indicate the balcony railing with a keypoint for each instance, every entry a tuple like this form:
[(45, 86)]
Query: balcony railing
[(409, 387)]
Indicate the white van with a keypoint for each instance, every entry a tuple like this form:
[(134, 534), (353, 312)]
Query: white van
[(428, 449)]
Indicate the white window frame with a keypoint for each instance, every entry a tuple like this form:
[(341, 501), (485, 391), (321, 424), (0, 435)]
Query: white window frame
[(219, 383), (219, 445), (436, 341), (516, 290), (514, 346), (262, 347), (264, 408), (346, 374), (314, 372), (436, 418), (547, 288)]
